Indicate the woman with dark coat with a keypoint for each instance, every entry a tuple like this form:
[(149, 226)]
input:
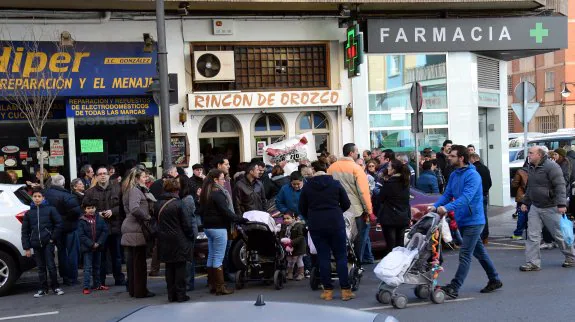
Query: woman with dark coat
[(323, 201), (395, 212), (187, 193), (174, 240), (217, 211)]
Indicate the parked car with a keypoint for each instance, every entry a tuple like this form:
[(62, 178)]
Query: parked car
[(14, 202)]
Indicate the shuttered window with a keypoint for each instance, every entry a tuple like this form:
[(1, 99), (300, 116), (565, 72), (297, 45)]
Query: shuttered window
[(547, 124), (488, 73)]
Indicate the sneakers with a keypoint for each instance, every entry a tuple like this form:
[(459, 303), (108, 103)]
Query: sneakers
[(568, 264), (347, 294), (306, 274), (548, 245), (101, 288), (58, 291), (40, 293), (450, 291), (492, 286), (326, 295), (529, 268), (86, 291), (517, 237)]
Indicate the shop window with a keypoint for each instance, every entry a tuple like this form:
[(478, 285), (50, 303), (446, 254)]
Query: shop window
[(269, 129), (220, 137), (318, 124)]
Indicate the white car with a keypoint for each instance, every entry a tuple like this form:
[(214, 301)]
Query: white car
[(14, 202)]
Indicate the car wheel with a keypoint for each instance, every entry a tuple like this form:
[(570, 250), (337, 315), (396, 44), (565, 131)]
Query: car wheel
[(239, 255), (8, 273)]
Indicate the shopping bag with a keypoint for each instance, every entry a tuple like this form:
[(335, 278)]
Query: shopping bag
[(310, 244), (445, 231), (567, 230)]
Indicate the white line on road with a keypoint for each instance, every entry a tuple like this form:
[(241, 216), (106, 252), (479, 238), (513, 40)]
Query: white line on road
[(28, 315), (375, 308)]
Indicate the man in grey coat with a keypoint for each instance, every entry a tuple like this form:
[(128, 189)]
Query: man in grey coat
[(546, 195)]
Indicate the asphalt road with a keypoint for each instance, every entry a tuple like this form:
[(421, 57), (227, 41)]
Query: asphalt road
[(547, 294)]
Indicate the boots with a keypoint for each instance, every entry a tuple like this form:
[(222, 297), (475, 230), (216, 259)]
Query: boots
[(218, 278), (211, 283), (347, 294), (327, 295), (299, 276), (290, 273)]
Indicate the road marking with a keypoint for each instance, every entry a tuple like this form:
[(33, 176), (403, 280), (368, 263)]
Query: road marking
[(508, 245), (28, 315), (375, 308)]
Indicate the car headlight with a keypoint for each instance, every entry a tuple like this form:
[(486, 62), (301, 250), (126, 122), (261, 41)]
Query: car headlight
[(201, 235)]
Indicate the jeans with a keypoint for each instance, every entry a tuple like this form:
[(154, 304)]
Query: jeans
[(472, 244), (68, 257), (361, 238), (326, 243), (456, 235), (550, 218), (394, 237), (217, 243), (44, 257), (367, 256), (92, 267), (521, 222), (485, 232), (113, 246)]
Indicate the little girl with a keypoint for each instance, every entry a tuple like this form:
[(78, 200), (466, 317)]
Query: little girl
[(293, 238)]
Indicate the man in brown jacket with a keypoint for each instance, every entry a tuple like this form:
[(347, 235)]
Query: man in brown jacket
[(520, 183)]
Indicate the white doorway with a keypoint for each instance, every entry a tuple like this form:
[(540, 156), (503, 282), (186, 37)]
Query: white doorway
[(483, 147)]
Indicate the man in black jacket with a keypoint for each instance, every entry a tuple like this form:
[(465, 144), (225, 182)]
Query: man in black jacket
[(106, 196), (443, 160), (249, 192), (486, 184), (68, 244), (197, 180), (157, 188)]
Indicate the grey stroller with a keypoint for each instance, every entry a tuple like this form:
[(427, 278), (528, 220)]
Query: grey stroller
[(420, 265)]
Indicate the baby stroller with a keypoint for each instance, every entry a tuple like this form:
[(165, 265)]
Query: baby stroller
[(265, 256), (415, 264), (355, 272)]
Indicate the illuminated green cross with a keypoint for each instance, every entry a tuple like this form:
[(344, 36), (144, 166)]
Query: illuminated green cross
[(539, 32)]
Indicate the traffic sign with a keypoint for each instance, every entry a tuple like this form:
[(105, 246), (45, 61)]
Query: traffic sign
[(529, 111), (519, 91), (416, 97)]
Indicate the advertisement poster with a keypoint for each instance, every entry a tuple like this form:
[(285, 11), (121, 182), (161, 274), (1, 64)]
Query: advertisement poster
[(56, 161), (260, 148), (33, 143), (295, 149), (56, 147)]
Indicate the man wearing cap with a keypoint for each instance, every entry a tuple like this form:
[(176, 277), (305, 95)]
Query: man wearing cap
[(197, 180)]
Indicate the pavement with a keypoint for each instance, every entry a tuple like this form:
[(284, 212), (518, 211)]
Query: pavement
[(525, 296)]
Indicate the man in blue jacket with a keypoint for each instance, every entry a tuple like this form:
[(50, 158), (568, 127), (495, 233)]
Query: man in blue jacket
[(427, 181), (464, 196)]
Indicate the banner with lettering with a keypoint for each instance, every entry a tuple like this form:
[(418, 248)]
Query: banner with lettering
[(230, 101), (9, 111), (111, 106), (295, 149), (86, 69)]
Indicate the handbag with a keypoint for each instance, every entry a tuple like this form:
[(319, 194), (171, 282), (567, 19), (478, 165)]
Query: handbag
[(150, 226)]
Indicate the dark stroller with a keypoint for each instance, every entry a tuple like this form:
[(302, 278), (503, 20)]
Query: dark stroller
[(265, 257)]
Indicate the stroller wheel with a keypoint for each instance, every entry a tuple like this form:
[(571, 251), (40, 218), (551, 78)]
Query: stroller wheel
[(399, 301), (240, 279), (279, 280), (422, 291), (354, 278), (438, 296), (383, 297), (314, 279)]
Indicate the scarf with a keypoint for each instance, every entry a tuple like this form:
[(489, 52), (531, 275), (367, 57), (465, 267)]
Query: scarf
[(228, 196), (91, 219)]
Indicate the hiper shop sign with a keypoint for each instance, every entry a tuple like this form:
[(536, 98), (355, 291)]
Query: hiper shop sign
[(231, 101)]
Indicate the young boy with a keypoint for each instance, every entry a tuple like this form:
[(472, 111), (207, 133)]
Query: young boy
[(41, 227), (293, 238), (92, 232)]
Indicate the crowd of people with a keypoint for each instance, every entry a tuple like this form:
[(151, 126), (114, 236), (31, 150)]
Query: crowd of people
[(106, 219)]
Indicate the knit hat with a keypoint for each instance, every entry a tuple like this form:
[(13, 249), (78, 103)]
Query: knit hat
[(561, 152)]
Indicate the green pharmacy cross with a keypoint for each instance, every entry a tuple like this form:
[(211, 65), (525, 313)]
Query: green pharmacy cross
[(539, 32)]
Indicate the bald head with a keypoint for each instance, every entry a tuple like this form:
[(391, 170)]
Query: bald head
[(536, 153)]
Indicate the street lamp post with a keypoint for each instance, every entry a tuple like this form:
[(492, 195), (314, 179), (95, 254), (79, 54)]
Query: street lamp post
[(565, 93), (164, 84)]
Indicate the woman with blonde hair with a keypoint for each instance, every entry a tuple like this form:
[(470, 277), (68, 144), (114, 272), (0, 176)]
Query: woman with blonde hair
[(137, 202)]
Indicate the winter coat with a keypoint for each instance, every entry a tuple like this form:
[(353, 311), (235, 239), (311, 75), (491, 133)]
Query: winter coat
[(90, 233), (519, 182), (428, 182), (395, 210), (67, 206), (354, 181), (40, 225), (287, 200), (464, 195), (297, 235), (107, 199), (485, 177), (323, 201), (276, 183), (546, 185), (249, 196), (189, 209), (137, 208), (567, 174), (216, 213), (79, 196), (175, 236)]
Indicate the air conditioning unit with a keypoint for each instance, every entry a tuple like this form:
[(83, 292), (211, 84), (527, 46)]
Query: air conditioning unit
[(214, 66)]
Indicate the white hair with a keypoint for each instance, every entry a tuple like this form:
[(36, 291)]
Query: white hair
[(58, 180)]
